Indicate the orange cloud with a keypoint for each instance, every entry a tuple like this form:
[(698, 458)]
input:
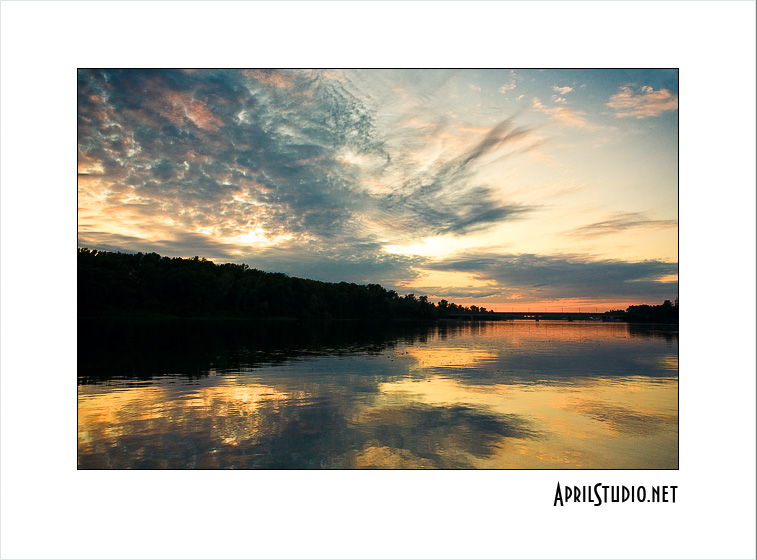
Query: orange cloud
[(271, 78), (645, 102), (88, 165), (180, 106), (564, 115)]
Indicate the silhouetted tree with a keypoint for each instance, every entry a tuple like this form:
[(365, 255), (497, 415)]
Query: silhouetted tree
[(138, 284)]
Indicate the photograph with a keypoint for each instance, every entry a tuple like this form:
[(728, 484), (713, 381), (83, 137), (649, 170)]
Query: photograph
[(381, 268), (378, 280)]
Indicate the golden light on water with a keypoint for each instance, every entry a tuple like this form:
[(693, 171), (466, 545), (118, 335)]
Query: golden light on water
[(579, 426), (426, 358), (496, 395), (229, 411)]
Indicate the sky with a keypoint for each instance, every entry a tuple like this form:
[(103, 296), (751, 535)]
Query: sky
[(518, 189)]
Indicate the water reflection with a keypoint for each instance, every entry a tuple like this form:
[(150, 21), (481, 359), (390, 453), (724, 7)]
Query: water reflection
[(195, 348), (669, 333), (484, 395)]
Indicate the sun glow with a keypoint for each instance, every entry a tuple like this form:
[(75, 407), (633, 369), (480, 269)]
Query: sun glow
[(258, 236), (669, 278), (429, 247), (448, 280)]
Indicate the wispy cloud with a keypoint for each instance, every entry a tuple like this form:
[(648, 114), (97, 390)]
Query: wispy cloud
[(564, 115), (622, 222), (642, 102), (545, 277)]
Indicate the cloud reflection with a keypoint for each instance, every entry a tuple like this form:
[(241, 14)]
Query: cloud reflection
[(445, 436), (518, 395)]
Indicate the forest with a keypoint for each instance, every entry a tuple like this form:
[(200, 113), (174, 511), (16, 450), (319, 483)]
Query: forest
[(148, 284), (665, 313)]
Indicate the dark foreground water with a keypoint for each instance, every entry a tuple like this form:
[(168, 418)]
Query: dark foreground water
[(508, 395)]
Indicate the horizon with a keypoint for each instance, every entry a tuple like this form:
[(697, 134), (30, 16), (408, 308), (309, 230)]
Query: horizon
[(505, 189), (531, 308)]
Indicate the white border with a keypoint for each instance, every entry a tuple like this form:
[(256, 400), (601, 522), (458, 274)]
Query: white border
[(51, 510)]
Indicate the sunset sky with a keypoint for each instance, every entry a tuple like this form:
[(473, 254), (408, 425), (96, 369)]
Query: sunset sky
[(504, 188)]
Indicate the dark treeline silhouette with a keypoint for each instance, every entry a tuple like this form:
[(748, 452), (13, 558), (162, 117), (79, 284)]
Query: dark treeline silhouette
[(148, 284), (666, 313)]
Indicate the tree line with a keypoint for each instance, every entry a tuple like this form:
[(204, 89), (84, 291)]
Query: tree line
[(665, 313), (147, 284), (111, 283)]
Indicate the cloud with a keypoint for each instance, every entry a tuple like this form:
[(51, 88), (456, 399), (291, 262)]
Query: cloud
[(194, 146), (273, 78), (622, 420), (169, 244), (622, 222), (472, 210), (511, 85), (307, 172), (564, 115), (569, 117), (642, 102), (225, 153), (500, 134), (562, 90), (544, 277), (463, 428), (443, 197)]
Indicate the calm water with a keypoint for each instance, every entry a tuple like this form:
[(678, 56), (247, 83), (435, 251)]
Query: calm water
[(506, 395)]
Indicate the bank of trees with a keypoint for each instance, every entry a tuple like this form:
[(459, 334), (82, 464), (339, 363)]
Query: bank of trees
[(148, 284), (665, 313)]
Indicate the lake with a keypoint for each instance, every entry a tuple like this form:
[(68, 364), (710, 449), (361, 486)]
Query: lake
[(199, 394)]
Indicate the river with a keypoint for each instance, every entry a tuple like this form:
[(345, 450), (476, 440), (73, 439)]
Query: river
[(469, 395)]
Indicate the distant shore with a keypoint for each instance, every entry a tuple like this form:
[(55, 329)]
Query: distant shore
[(150, 286)]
